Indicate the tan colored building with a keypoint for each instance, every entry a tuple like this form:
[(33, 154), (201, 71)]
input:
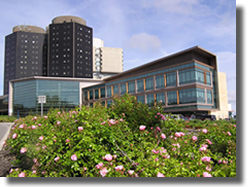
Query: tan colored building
[(223, 99), (107, 61)]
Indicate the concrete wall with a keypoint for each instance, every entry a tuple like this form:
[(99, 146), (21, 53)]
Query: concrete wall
[(111, 59), (223, 98)]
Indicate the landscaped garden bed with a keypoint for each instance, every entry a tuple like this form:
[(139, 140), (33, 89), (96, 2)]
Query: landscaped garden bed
[(128, 139)]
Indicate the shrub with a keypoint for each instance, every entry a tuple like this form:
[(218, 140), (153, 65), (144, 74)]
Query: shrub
[(128, 139)]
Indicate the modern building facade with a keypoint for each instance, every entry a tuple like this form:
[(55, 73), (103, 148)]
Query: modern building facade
[(69, 48), (62, 93), (25, 53), (107, 61), (185, 82)]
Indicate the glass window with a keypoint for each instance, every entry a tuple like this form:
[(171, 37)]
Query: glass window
[(131, 87), (102, 92), (108, 103), (123, 88), (187, 96), (91, 94), (140, 98), (150, 99), (160, 97), (186, 76), (91, 104), (115, 89), (171, 79), (149, 83), (103, 103), (86, 95), (140, 85), (109, 91), (199, 76), (172, 98), (160, 81), (96, 93), (209, 96), (208, 78), (200, 94)]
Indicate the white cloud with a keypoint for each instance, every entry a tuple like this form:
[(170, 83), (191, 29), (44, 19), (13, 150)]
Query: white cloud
[(231, 96), (144, 42)]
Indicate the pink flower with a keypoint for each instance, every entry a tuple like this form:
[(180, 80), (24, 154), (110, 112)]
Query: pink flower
[(34, 171), (85, 168), (58, 113), (163, 117), (158, 129), (103, 172), (229, 133), (57, 158), (80, 128), (158, 113), (11, 170), (112, 121), (41, 138), (194, 138), (206, 159), (209, 142), (204, 131), (21, 174), (21, 126), (44, 147), (160, 174), (67, 140), (203, 149), (154, 151), (45, 117), (177, 134), (3, 143), (23, 150), (204, 145), (174, 149), (142, 127), (108, 157), (103, 123), (114, 156), (98, 166), (208, 168), (14, 136), (35, 118), (33, 127), (163, 136), (206, 174), (35, 160), (118, 168), (73, 157), (39, 124), (155, 116), (181, 133), (131, 172), (219, 161), (58, 123), (156, 159), (234, 125), (224, 162), (121, 120), (43, 172)]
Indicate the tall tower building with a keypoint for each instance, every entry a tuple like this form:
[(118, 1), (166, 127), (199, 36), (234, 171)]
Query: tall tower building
[(107, 61), (25, 54), (70, 48)]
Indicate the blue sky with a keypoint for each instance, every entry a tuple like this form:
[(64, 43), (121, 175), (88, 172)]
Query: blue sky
[(146, 30)]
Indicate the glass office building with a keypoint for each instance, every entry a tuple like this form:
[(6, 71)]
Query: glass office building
[(59, 94), (185, 81)]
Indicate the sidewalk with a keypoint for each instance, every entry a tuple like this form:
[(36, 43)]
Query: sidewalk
[(4, 132)]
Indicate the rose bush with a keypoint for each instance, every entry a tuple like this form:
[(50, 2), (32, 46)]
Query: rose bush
[(128, 139)]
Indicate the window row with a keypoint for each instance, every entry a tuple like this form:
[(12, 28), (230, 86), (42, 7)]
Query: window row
[(193, 95)]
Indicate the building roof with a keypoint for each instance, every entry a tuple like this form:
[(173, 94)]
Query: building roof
[(56, 78), (196, 49)]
